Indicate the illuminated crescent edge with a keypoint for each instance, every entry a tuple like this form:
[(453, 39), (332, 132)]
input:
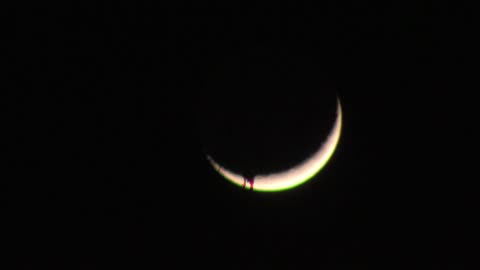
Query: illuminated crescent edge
[(296, 175)]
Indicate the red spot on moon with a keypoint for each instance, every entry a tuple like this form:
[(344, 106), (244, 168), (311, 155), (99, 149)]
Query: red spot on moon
[(250, 180)]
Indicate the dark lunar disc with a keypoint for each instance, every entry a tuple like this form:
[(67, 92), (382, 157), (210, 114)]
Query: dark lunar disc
[(264, 114)]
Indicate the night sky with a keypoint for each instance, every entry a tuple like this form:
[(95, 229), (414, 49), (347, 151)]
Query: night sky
[(108, 112)]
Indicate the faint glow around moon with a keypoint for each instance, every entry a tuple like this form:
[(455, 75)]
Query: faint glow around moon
[(296, 175)]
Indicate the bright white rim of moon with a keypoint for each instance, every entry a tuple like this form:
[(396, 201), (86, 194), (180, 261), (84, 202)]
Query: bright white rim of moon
[(296, 175)]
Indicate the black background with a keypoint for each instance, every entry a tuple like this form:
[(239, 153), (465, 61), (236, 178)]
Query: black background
[(102, 154)]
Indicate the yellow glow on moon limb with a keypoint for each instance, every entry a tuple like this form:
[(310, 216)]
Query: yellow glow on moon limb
[(294, 176)]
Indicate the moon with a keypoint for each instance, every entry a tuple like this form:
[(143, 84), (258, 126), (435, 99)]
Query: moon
[(296, 175)]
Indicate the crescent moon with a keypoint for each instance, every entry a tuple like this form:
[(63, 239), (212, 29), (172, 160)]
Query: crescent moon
[(296, 175)]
